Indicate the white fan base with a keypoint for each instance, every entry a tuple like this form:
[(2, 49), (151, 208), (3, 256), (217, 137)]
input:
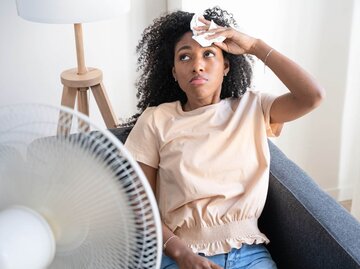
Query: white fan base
[(26, 239)]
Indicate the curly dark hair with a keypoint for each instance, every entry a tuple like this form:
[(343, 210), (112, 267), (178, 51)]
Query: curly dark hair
[(156, 84)]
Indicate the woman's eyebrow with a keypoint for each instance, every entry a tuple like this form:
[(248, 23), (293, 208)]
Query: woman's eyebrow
[(183, 48)]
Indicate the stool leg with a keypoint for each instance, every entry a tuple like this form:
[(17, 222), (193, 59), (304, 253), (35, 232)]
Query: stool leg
[(68, 100), (104, 105), (83, 107)]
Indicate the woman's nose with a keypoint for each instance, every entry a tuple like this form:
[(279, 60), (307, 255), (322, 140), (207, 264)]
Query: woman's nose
[(198, 66)]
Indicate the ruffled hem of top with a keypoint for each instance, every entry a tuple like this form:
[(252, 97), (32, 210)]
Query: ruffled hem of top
[(224, 246)]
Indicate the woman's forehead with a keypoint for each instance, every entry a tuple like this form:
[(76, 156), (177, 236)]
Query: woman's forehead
[(187, 42)]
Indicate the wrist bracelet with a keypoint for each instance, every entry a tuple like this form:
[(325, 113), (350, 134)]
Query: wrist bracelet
[(266, 57), (167, 241)]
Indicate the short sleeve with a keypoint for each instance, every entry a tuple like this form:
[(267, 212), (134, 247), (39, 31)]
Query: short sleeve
[(142, 141), (272, 129)]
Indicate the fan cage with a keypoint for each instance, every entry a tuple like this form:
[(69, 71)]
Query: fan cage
[(26, 124)]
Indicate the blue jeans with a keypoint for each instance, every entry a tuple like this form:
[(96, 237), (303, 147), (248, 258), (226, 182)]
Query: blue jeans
[(248, 256)]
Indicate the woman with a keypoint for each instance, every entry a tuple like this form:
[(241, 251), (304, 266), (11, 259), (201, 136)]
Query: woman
[(201, 137)]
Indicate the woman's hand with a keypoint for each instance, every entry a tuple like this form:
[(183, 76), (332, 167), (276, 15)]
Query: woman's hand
[(190, 260), (235, 43)]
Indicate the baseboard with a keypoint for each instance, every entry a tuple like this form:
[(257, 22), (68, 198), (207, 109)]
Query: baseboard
[(340, 194)]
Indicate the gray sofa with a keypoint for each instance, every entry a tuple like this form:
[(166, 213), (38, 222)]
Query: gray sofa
[(307, 228)]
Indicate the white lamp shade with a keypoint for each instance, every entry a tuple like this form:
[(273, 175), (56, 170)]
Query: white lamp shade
[(70, 11)]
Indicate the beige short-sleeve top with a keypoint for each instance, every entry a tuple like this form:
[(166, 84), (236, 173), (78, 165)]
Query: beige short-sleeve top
[(213, 168)]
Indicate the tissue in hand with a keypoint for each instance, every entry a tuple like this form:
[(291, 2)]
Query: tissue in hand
[(199, 37)]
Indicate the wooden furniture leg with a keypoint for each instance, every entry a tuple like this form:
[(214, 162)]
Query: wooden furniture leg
[(68, 99), (83, 101), (103, 103), (83, 106)]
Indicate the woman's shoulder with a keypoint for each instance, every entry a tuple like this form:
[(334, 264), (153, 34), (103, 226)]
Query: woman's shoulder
[(251, 96), (256, 95), (162, 111), (161, 108)]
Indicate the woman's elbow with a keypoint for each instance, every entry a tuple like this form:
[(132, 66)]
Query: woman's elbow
[(317, 98)]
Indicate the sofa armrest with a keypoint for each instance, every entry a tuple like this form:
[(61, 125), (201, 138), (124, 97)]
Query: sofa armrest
[(307, 228), (121, 133)]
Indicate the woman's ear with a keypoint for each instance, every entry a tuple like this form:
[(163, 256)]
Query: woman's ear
[(174, 73), (226, 67)]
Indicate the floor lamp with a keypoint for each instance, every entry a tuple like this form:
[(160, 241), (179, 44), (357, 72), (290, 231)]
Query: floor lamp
[(77, 81)]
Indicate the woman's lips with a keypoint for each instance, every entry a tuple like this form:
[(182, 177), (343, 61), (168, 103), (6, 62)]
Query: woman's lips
[(198, 80)]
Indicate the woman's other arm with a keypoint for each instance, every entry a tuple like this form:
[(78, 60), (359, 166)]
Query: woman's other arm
[(305, 93)]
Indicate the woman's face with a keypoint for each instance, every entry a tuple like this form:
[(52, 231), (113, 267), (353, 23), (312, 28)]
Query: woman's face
[(199, 70)]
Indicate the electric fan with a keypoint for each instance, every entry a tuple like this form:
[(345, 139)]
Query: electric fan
[(71, 196)]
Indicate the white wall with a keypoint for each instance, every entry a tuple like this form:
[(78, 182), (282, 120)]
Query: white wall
[(316, 34), (349, 175), (32, 56)]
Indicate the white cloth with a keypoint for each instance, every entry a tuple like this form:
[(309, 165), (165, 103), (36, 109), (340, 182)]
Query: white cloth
[(199, 37)]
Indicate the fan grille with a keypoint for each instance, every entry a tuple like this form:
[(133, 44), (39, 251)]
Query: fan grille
[(93, 195)]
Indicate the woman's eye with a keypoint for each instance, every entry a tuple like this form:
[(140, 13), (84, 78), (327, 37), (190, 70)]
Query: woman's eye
[(184, 57), (208, 54)]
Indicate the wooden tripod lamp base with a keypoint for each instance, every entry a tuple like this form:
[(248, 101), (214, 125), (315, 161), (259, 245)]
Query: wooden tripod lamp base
[(78, 81), (76, 87)]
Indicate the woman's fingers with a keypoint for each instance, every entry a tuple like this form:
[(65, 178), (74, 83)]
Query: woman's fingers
[(203, 20), (205, 28), (201, 28), (222, 46), (226, 32)]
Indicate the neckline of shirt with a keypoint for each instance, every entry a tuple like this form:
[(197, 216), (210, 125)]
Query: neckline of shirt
[(198, 110)]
